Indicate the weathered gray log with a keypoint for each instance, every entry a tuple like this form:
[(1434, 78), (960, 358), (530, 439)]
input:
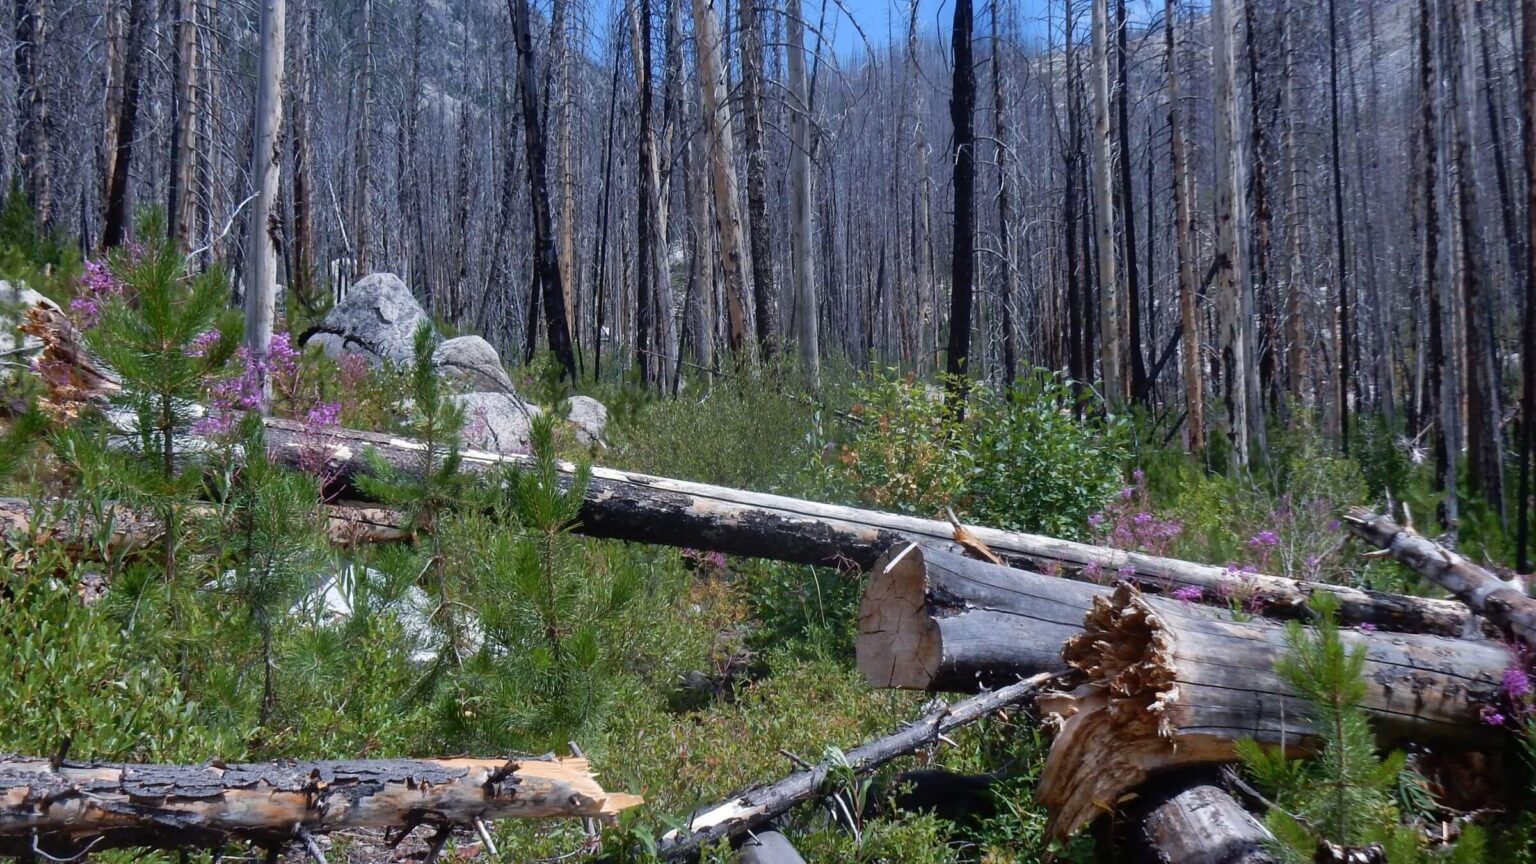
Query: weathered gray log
[(632, 506), (68, 810), (760, 805), (1488, 595), (1172, 685), (930, 619), (768, 847), (1202, 824)]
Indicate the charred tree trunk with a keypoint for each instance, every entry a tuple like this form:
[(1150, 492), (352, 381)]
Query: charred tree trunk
[(266, 158), (32, 144), (179, 212), (546, 255), (1528, 332), (1202, 824), (1194, 398), (962, 113), (1104, 210), (126, 127), (72, 808)]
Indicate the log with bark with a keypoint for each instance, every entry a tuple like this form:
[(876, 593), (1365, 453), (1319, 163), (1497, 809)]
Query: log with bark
[(65, 809), (1201, 824), (1171, 685), (744, 812), (1502, 603), (632, 506)]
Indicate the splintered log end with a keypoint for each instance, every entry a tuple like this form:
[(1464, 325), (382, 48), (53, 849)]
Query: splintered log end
[(71, 375), (1116, 729), (899, 644)]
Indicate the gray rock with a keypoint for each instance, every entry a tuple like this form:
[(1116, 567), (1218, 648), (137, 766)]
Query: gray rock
[(498, 422), (590, 417), (15, 300), (473, 361), (378, 319)]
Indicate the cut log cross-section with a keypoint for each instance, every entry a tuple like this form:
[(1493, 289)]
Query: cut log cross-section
[(68, 810), (930, 619), (1171, 685)]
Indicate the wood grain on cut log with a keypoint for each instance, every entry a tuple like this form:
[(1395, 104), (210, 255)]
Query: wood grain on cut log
[(746, 811), (1173, 685), (632, 506), (122, 528), (930, 619), (1488, 595), (78, 807)]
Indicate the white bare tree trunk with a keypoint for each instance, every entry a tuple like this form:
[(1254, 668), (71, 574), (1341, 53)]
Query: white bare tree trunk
[(800, 227), (1229, 272), (1104, 221), (261, 255)]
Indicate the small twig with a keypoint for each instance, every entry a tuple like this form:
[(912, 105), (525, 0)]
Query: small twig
[(82, 853), (799, 762), (59, 755), (485, 837), (1232, 777)]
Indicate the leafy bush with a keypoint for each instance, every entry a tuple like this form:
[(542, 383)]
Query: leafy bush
[(1033, 458)]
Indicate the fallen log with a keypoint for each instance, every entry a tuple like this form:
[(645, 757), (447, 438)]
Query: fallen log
[(120, 528), (1202, 824), (930, 619), (64, 809), (631, 506), (760, 805), (1171, 685), (1505, 605)]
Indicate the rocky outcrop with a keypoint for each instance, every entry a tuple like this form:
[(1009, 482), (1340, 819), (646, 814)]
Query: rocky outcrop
[(498, 422), (473, 361), (378, 319), (590, 419)]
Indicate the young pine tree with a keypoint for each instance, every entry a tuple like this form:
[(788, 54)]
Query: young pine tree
[(430, 490), (554, 610), (166, 334), (1345, 794)]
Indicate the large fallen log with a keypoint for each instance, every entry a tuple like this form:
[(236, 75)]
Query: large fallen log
[(65, 810), (1500, 602), (631, 506), (1171, 685), (930, 619), (760, 805)]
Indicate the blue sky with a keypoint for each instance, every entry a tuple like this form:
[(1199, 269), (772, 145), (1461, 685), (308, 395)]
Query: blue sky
[(883, 20)]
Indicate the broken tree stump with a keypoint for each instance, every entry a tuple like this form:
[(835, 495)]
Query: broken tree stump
[(1202, 824), (74, 808), (1501, 603), (1172, 685)]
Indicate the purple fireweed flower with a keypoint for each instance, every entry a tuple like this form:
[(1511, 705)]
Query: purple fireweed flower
[(1492, 716), (322, 415), (1189, 593), (715, 560), (1096, 520), (1264, 539), (1367, 627), (1138, 476), (202, 343), (1517, 683), (1127, 492)]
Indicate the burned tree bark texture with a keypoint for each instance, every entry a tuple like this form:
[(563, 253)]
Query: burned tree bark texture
[(79, 807), (1173, 685), (740, 814), (1487, 595)]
